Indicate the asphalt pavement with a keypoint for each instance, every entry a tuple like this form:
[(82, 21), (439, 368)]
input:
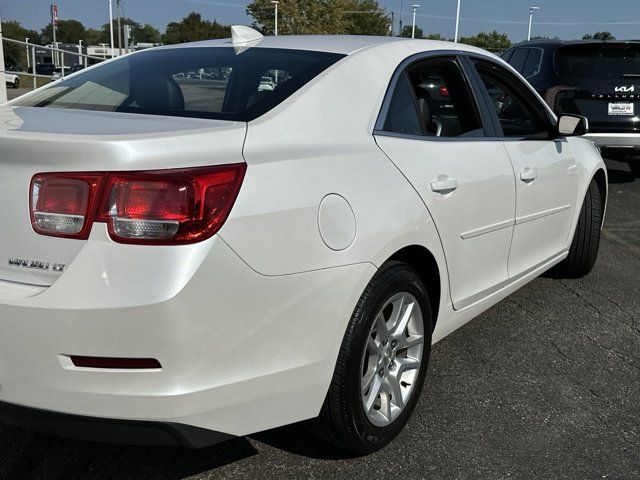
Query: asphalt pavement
[(544, 385)]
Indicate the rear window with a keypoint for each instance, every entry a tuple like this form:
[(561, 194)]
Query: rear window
[(201, 82), (593, 62)]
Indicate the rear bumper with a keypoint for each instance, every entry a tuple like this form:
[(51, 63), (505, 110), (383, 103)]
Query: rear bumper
[(240, 352), (110, 430), (615, 140)]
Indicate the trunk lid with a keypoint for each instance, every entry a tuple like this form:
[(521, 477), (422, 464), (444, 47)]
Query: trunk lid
[(37, 140), (603, 81)]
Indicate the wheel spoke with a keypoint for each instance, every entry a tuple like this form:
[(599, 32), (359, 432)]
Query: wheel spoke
[(367, 379), (396, 314), (406, 363), (412, 341), (385, 402), (381, 326), (373, 393), (399, 329), (396, 390), (373, 347)]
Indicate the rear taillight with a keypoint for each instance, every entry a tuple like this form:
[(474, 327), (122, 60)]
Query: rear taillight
[(164, 207), (62, 204), (552, 94)]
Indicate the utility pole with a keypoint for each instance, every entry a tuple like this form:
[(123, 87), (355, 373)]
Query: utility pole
[(3, 83), (531, 10), (275, 22), (118, 5), (111, 27), (415, 7), (393, 23), (455, 37), (54, 26), (401, 14)]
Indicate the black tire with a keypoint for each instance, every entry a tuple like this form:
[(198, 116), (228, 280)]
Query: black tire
[(16, 84), (586, 240), (343, 422), (634, 166)]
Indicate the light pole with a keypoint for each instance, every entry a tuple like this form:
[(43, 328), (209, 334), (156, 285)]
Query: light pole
[(455, 37), (80, 52), (26, 40), (54, 26), (401, 14), (275, 28), (531, 10), (111, 27), (413, 25)]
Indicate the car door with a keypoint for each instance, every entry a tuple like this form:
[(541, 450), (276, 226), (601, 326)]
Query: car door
[(545, 168), (435, 131)]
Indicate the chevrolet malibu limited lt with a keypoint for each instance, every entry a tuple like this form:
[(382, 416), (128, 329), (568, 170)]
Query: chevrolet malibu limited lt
[(189, 256)]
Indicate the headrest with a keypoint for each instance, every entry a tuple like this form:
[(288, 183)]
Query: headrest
[(159, 93)]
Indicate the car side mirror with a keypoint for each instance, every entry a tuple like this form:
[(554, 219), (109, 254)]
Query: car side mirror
[(572, 125)]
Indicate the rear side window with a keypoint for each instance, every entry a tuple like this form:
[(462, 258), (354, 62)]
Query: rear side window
[(201, 82), (532, 63), (402, 116), (439, 93), (518, 58), (594, 61)]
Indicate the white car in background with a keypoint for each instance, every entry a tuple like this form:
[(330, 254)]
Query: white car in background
[(12, 80), (183, 271)]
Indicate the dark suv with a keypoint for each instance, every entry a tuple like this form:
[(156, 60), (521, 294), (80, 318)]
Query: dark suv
[(596, 79)]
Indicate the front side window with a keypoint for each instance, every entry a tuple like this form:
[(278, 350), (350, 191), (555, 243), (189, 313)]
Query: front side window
[(201, 82), (437, 90), (519, 112)]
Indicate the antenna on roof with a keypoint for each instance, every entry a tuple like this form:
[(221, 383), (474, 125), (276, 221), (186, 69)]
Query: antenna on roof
[(241, 35)]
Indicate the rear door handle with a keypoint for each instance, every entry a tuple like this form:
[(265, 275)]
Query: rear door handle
[(528, 175), (444, 185)]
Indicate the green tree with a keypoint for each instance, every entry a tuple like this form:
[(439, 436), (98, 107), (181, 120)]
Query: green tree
[(146, 34), (366, 17), (298, 17), (489, 41), (68, 31), (139, 33), (17, 54), (193, 28), (406, 32), (599, 36)]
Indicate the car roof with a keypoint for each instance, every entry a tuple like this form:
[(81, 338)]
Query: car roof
[(343, 44)]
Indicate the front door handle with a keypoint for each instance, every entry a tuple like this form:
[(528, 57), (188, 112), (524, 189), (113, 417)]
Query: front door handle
[(528, 175), (444, 185)]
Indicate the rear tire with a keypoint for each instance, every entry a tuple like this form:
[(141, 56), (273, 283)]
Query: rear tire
[(378, 357), (586, 239), (16, 84)]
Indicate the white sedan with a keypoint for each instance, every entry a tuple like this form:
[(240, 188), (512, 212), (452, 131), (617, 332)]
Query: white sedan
[(186, 262)]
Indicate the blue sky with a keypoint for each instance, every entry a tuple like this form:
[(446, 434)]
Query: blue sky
[(564, 18)]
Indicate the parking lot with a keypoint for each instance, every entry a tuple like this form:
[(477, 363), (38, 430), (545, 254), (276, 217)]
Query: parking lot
[(543, 385)]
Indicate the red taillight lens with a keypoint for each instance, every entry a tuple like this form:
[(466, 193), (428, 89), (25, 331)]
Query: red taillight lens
[(444, 91), (63, 204), (164, 207)]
